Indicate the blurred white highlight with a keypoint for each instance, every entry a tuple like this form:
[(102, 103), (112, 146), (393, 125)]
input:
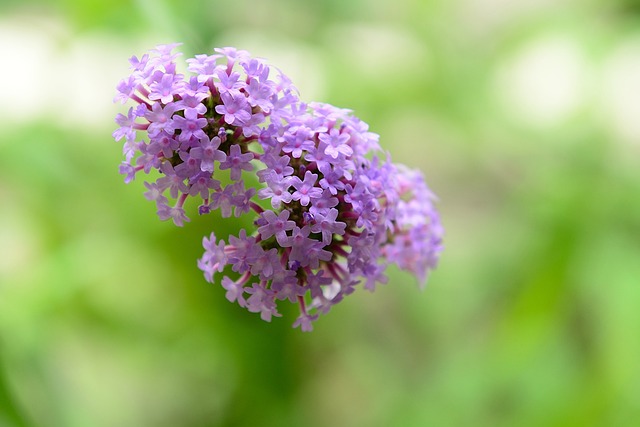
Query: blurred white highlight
[(380, 51), (546, 82), (621, 90), (49, 74)]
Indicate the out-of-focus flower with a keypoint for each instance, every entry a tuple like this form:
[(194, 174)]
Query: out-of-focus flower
[(330, 213)]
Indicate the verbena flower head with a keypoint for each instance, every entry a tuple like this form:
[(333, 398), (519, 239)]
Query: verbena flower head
[(331, 211)]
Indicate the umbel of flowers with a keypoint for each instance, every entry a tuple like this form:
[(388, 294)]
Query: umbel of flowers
[(331, 211)]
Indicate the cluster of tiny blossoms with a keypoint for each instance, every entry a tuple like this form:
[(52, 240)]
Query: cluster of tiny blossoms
[(330, 213)]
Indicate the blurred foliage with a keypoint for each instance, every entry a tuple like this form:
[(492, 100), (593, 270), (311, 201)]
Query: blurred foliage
[(519, 115)]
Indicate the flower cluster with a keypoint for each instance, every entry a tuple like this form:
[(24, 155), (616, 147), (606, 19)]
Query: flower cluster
[(330, 211)]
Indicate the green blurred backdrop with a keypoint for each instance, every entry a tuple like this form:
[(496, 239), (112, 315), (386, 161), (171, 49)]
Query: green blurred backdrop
[(524, 117)]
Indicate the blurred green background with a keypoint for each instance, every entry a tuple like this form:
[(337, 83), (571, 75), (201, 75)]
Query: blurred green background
[(524, 117)]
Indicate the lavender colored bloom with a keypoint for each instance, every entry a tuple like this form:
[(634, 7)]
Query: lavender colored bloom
[(208, 153), (191, 125), (319, 157), (286, 286), (277, 191), (298, 142), (327, 225), (341, 213), (322, 204), (160, 118), (256, 69), (127, 125), (300, 244), (239, 250), (126, 88), (237, 162), (243, 202), (259, 95), (202, 184), (265, 263), (224, 200), (305, 190), (234, 291), (154, 192), (215, 257), (336, 143), (163, 144), (276, 225), (235, 108), (275, 164), (128, 170), (331, 179), (205, 66), (172, 181), (189, 167), (162, 89), (305, 322), (228, 82), (262, 300), (191, 102), (176, 213)]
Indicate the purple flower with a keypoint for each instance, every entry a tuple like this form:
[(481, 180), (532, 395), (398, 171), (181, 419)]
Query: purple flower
[(300, 243), (259, 95), (202, 184), (127, 125), (147, 160), (233, 55), (243, 202), (327, 225), (191, 102), (126, 88), (237, 162), (299, 141), (165, 53), (190, 125), (265, 263), (164, 144), (234, 291), (305, 322), (322, 204), (275, 164), (176, 213), (314, 255), (305, 190), (318, 156), (331, 179), (214, 258), (336, 143), (128, 170), (235, 108), (341, 214), (276, 225), (239, 249), (154, 192), (256, 69), (160, 118), (277, 191), (190, 166), (262, 301), (164, 88), (228, 82), (286, 286), (171, 181), (205, 66), (224, 200), (208, 153)]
